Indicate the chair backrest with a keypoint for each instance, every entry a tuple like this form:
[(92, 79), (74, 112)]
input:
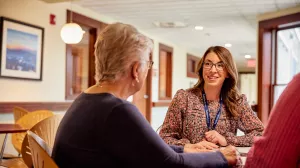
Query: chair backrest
[(46, 130), (158, 129), (19, 112), (28, 121), (41, 159)]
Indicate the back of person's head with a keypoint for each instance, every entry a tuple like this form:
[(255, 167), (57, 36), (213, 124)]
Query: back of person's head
[(229, 89), (119, 46)]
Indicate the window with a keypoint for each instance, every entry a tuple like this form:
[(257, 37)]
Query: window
[(191, 67), (287, 59), (165, 72), (270, 55)]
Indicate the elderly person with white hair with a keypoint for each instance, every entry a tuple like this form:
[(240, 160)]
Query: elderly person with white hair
[(102, 129)]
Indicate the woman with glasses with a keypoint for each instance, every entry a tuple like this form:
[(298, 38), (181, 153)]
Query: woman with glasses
[(102, 129), (210, 113)]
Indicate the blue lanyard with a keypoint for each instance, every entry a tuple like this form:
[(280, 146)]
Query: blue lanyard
[(207, 112)]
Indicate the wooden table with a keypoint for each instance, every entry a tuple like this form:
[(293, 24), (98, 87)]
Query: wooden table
[(6, 129)]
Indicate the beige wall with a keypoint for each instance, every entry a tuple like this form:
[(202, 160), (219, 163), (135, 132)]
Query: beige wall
[(52, 87), (179, 80), (278, 13)]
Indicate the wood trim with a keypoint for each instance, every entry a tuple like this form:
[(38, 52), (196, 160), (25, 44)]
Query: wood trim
[(92, 41), (149, 93), (170, 76), (161, 104), (246, 73), (192, 58), (273, 67), (265, 53), (7, 107), (89, 22), (169, 50), (96, 26), (264, 74), (165, 48), (280, 22)]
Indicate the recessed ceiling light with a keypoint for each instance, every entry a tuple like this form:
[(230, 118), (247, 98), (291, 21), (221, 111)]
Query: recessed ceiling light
[(228, 45), (199, 27), (247, 56)]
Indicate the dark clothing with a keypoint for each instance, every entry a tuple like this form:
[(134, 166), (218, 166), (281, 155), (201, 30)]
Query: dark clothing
[(100, 130)]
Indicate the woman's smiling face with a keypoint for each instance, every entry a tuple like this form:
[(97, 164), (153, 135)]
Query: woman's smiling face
[(214, 71)]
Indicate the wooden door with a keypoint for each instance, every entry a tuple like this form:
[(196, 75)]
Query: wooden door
[(143, 98)]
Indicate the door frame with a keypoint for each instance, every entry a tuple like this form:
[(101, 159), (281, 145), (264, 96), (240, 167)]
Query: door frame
[(149, 93), (96, 27), (148, 106)]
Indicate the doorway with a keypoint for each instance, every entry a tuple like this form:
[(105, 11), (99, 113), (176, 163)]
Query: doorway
[(143, 98), (80, 60)]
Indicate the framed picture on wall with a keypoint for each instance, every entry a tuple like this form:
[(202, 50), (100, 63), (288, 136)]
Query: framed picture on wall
[(21, 50)]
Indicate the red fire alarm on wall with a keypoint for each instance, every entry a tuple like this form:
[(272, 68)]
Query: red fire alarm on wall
[(52, 19)]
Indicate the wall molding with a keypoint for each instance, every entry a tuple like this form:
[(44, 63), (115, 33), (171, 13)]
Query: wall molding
[(162, 103), (7, 107)]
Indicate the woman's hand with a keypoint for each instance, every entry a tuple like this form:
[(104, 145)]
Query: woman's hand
[(214, 137), (193, 148), (230, 153), (203, 146)]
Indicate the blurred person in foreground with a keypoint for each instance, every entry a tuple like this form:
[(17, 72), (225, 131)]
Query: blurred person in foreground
[(279, 146), (102, 129)]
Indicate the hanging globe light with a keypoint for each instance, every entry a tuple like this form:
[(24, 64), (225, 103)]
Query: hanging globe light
[(71, 33)]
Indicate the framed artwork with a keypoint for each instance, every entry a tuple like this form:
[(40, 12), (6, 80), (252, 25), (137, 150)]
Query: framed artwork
[(21, 50)]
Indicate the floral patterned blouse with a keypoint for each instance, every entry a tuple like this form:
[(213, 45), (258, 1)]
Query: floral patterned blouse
[(185, 121)]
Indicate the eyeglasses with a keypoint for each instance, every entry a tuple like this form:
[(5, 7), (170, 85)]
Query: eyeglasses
[(208, 65), (150, 64)]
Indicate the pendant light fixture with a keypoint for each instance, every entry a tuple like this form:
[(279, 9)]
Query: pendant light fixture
[(71, 33)]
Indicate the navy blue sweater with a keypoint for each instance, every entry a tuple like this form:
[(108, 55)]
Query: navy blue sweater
[(100, 130)]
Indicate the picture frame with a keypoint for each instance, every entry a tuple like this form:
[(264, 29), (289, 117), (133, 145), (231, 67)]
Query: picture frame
[(21, 50)]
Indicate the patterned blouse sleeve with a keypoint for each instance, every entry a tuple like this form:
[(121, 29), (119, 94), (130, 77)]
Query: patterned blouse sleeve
[(249, 123), (171, 131)]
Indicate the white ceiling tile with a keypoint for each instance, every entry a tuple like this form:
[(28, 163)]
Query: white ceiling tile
[(232, 21)]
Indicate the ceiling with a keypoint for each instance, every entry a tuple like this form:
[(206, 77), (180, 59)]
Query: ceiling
[(224, 21)]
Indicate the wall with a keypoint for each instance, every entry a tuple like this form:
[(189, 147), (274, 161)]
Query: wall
[(249, 87), (179, 79), (52, 87), (276, 14), (37, 13)]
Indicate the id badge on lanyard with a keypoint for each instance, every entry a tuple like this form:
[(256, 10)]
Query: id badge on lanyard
[(207, 112)]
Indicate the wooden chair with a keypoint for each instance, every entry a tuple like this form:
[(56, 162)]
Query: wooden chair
[(28, 121), (13, 163), (158, 129), (41, 159), (46, 130), (19, 112)]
